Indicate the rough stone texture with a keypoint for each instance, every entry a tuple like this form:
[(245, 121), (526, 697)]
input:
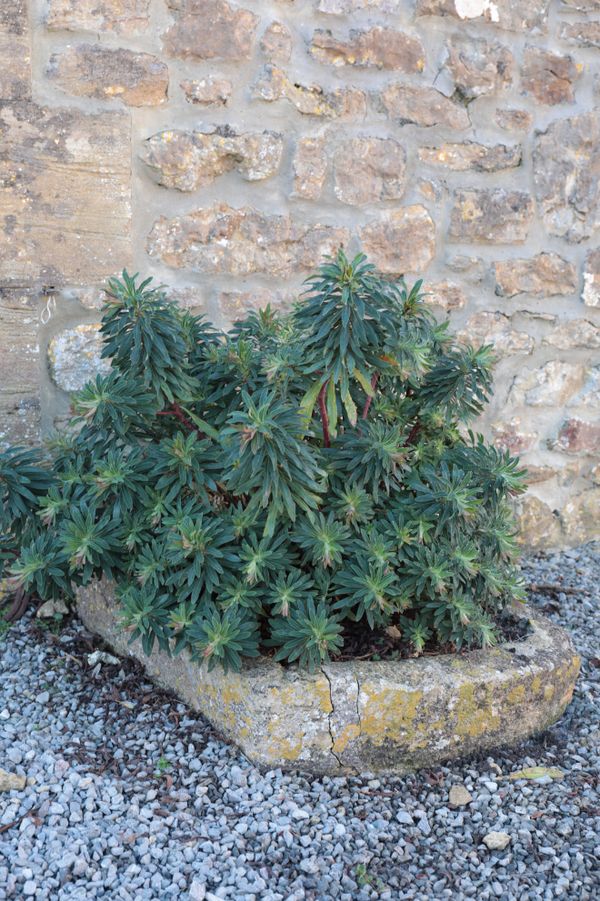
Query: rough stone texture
[(478, 67), (64, 195), (543, 275), (119, 16), (311, 99), (447, 295), (379, 47), (210, 29), (549, 77), (514, 119), (11, 781), (581, 515), (512, 436), (553, 384), (496, 328), (277, 42), (403, 241), (514, 15), (310, 167), (15, 51), (90, 70), (577, 436), (367, 170), (189, 160), (589, 397), (19, 366), (494, 216), (207, 91), (574, 333), (228, 241), (407, 104), (235, 304), (74, 357), (387, 717), (419, 131), (472, 156), (584, 34), (538, 525), (591, 279), (566, 162), (343, 7)]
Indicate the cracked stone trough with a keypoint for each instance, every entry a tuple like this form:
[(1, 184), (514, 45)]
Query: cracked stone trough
[(362, 716)]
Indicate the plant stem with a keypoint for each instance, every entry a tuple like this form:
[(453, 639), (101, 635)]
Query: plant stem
[(367, 406), (413, 433), (175, 410), (324, 416)]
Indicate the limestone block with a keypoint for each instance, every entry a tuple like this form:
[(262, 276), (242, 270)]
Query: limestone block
[(207, 91), (369, 169), (310, 99), (19, 366), (92, 70), (378, 47), (74, 357), (472, 156), (478, 67), (15, 51), (513, 119), (583, 34), (549, 77), (410, 104), (573, 333), (118, 16), (514, 15), (402, 240), (228, 241), (543, 275), (189, 160), (566, 160), (552, 385), (210, 29), (490, 216), (493, 327), (276, 43), (578, 436), (64, 195), (591, 279)]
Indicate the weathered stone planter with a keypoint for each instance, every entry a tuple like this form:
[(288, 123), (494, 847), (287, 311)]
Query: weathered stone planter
[(389, 717)]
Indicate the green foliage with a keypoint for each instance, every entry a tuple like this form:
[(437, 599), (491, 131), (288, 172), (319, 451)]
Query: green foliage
[(276, 488)]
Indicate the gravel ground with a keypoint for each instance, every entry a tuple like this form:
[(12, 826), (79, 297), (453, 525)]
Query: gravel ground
[(130, 796)]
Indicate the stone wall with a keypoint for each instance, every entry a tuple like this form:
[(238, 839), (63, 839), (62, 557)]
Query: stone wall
[(224, 147)]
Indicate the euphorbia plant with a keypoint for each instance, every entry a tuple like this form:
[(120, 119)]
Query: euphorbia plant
[(274, 488)]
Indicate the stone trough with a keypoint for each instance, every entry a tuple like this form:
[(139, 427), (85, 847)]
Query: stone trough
[(359, 716)]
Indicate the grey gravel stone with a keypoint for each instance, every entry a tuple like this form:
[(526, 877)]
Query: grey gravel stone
[(132, 797)]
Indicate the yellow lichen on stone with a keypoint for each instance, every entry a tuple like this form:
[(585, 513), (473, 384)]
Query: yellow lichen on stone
[(390, 712), (280, 747), (473, 717), (516, 694), (323, 693), (348, 734), (231, 695)]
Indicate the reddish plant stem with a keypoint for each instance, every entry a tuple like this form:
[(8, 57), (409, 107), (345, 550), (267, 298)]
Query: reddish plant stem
[(175, 410), (413, 433), (324, 416), (367, 406)]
